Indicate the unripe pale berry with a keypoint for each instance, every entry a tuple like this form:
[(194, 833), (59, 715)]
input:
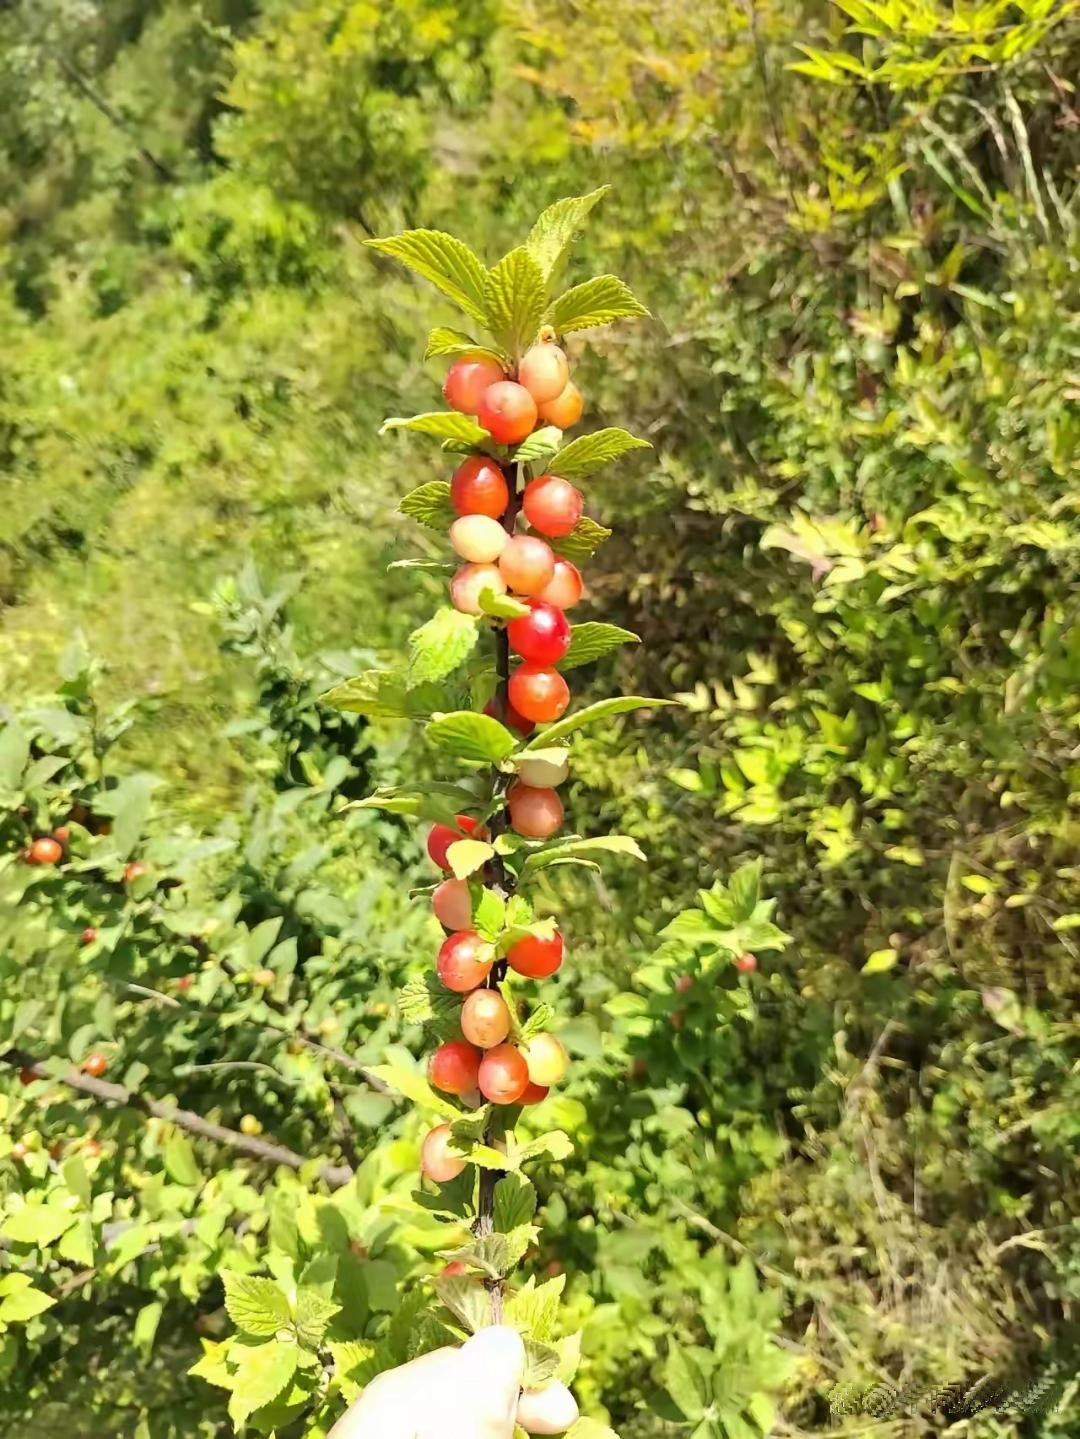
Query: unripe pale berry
[(544, 372), (455, 1067), (451, 903), (439, 1160), (527, 564), (478, 487), (442, 836), (478, 539), (464, 961), (546, 1059), (485, 1019), (564, 588), (507, 411), (538, 693), (542, 636), (469, 584), (504, 1075), (552, 505), (506, 714), (467, 379), (565, 409), (543, 772), (534, 1093), (534, 813), (536, 958)]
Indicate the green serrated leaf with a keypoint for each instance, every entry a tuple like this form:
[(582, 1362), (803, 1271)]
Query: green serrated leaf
[(537, 446), (582, 542), (40, 1224), (256, 1306), (685, 1382), (515, 1203), (584, 456), (442, 425), (213, 1366), (555, 1145), (554, 231), (534, 1308), (516, 292), (466, 856), (443, 341), (441, 645), (383, 694), (436, 801), (592, 714), (591, 641), (314, 1312), (471, 736), (541, 1364), (423, 1000), (488, 912), (429, 504), (600, 301), (466, 1299), (413, 1086), (20, 1301), (491, 1255), (262, 1372), (446, 262)]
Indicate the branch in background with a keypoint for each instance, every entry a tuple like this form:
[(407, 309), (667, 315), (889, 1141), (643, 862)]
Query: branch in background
[(100, 103), (264, 1150)]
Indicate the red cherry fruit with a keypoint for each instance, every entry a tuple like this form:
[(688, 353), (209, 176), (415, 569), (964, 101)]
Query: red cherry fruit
[(536, 958), (479, 487), (509, 716), (442, 837), (507, 411), (565, 586), (527, 564), (504, 1075), (542, 636), (538, 692), (534, 1093), (746, 963), (464, 961), (95, 1065), (454, 1067), (45, 851), (451, 904), (88, 935), (467, 379), (534, 813), (552, 505), (62, 835)]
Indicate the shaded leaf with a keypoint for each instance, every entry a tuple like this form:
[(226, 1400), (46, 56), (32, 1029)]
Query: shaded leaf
[(429, 504), (584, 456), (591, 641)]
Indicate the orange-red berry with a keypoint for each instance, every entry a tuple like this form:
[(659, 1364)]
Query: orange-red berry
[(564, 588), (451, 904), (442, 836), (467, 379), (746, 963), (552, 505), (507, 411), (464, 961), (454, 1067), (527, 564), (504, 1075), (535, 957), (538, 692), (95, 1065), (565, 409), (479, 487), (45, 851), (534, 813)]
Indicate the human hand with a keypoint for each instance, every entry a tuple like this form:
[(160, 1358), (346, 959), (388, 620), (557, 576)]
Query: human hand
[(469, 1393)]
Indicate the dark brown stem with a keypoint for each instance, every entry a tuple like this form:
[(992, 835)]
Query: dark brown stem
[(503, 884), (104, 1090)]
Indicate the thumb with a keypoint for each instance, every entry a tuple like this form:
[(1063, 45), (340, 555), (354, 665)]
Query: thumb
[(484, 1388)]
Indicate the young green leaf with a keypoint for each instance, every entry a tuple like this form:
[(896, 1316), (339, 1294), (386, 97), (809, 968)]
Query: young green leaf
[(412, 1086), (534, 1307), (541, 1364), (314, 1312), (685, 1382), (442, 341), (20, 1301), (423, 1000), (555, 1144), (515, 1202), (591, 641), (471, 736), (466, 1300), (582, 542), (435, 801), (441, 645), (256, 1306), (502, 607), (554, 231), (538, 445), (602, 709), (488, 912), (466, 856), (584, 456), (600, 301), (516, 293), (262, 1372), (572, 849), (443, 425), (430, 505), (446, 262), (383, 694)]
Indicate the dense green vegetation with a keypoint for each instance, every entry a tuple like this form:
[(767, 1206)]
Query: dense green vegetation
[(854, 550)]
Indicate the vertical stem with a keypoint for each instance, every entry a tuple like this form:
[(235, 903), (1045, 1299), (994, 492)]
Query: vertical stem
[(503, 884)]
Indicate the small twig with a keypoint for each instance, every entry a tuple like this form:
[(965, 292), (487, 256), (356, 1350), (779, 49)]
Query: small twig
[(264, 1150), (100, 103)]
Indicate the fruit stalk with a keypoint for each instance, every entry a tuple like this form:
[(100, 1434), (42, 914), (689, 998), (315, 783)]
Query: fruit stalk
[(503, 885)]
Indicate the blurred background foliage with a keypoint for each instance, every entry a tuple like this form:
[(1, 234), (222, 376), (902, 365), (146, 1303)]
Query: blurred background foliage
[(855, 550)]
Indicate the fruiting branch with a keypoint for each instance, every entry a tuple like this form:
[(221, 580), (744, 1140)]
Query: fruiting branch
[(264, 1150)]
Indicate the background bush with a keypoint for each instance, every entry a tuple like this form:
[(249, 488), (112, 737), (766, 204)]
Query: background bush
[(854, 550)]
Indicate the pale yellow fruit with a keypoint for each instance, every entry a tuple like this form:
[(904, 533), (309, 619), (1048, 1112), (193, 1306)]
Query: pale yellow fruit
[(478, 539), (544, 773), (546, 1058)]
